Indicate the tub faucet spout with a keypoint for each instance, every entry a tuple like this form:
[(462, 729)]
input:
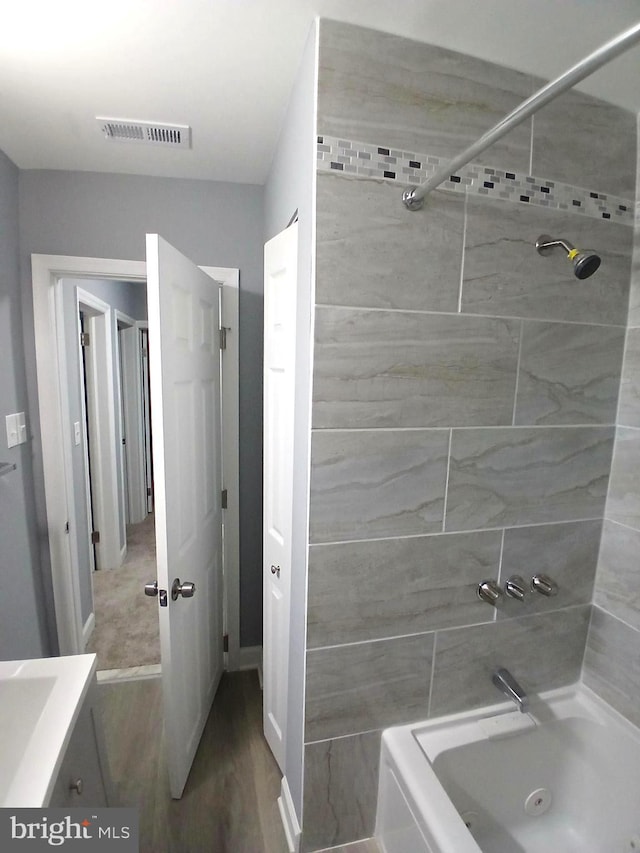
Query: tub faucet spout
[(507, 684)]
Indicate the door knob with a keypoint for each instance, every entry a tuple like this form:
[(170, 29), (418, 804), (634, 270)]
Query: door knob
[(186, 589), (151, 588), (275, 570)]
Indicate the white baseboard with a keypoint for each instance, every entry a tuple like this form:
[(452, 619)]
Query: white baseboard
[(87, 629), (289, 818), (250, 657)]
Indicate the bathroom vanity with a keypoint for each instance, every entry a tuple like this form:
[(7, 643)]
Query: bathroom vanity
[(51, 745)]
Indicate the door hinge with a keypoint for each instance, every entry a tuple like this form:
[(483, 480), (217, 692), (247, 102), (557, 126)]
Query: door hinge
[(67, 527), (225, 496), (84, 339), (225, 642), (223, 337), (95, 537), (149, 492)]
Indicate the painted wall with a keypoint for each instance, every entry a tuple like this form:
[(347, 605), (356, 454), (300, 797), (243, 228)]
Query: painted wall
[(291, 187), (464, 398), (130, 299), (23, 628), (216, 224)]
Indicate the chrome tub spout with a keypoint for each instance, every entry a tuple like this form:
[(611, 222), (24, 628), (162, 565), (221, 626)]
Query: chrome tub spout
[(507, 684)]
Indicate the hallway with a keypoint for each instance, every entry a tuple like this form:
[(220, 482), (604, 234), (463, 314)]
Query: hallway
[(230, 802)]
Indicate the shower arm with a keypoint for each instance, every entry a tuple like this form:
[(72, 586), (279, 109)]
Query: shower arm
[(414, 196)]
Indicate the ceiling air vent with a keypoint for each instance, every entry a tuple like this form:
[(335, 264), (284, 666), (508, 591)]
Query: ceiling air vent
[(146, 132)]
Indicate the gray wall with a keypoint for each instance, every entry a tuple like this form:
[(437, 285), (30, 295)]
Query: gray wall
[(130, 299), (217, 224), (291, 187), (465, 392), (23, 630)]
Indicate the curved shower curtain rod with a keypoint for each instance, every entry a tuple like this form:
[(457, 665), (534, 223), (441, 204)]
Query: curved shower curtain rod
[(414, 196)]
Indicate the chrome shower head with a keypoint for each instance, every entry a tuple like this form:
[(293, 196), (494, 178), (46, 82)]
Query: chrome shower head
[(585, 263)]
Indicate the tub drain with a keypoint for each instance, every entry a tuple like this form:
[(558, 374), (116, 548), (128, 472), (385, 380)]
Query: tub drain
[(538, 802)]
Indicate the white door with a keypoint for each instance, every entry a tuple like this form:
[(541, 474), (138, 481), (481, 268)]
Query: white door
[(280, 282), (184, 366)]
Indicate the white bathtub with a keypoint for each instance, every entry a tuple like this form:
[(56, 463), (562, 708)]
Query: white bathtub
[(564, 778)]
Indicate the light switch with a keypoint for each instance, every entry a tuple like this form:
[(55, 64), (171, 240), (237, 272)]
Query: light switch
[(12, 430), (16, 429), (76, 432)]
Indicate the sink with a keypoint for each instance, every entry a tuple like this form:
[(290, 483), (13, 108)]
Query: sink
[(39, 704)]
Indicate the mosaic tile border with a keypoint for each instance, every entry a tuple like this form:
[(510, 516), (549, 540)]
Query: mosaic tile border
[(365, 160)]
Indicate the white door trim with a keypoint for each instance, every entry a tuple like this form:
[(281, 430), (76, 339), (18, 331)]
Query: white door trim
[(47, 271)]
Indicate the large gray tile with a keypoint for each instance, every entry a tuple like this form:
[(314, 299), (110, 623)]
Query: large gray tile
[(612, 663), (396, 369), (568, 553), (504, 274), (340, 790), (569, 374), (629, 411), (623, 500), (634, 295), (580, 140), (367, 686), (542, 652), (377, 87), (375, 484), (618, 578), (363, 229), (510, 477), (368, 590)]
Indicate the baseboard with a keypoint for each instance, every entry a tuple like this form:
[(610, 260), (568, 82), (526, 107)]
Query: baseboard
[(250, 657), (87, 629), (289, 818)]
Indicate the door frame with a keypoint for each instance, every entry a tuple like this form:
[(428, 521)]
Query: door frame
[(47, 273)]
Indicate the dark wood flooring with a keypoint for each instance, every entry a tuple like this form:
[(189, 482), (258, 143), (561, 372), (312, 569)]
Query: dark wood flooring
[(230, 801)]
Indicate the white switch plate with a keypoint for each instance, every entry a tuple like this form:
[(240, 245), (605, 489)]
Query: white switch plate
[(12, 430), (16, 429)]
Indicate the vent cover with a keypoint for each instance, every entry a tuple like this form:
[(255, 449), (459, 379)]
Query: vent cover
[(145, 132)]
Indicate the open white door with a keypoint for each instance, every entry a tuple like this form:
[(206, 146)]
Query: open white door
[(184, 365), (280, 284)]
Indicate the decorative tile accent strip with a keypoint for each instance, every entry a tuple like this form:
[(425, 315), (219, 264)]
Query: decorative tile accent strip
[(366, 160)]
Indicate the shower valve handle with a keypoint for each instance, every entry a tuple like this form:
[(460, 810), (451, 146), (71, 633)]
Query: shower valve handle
[(490, 592), (544, 585)]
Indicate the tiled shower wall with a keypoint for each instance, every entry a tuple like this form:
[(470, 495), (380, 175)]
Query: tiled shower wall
[(612, 659), (464, 403)]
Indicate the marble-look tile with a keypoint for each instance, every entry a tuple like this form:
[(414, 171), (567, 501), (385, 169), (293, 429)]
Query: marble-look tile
[(369, 590), (634, 296), (612, 663), (403, 94), (581, 140), (364, 232), (618, 578), (374, 484), (367, 686), (568, 553), (629, 411), (569, 374), (504, 275), (340, 790), (623, 500), (396, 369), (512, 477), (542, 651)]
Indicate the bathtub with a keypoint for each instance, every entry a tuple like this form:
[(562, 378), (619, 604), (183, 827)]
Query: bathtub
[(564, 778)]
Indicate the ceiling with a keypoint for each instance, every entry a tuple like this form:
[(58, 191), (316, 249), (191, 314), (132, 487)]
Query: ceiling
[(226, 67)]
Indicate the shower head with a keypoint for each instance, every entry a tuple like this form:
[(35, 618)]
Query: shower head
[(585, 263)]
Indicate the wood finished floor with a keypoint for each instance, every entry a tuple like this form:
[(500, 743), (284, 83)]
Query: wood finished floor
[(230, 801)]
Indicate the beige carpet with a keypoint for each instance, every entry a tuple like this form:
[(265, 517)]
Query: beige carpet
[(126, 632)]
